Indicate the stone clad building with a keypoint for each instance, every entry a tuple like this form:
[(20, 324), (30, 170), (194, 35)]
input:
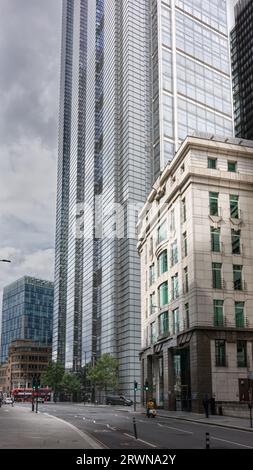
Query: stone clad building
[(196, 249)]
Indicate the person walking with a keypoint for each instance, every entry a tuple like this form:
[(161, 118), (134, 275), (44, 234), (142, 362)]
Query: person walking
[(206, 404)]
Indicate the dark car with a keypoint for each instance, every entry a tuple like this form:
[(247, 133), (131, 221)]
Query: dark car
[(118, 400)]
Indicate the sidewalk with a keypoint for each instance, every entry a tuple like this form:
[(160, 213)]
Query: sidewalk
[(224, 421), (22, 429)]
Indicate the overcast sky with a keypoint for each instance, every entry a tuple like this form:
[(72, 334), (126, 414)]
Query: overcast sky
[(29, 83)]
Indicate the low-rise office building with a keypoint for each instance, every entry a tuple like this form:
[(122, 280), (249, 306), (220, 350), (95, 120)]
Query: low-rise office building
[(196, 248)]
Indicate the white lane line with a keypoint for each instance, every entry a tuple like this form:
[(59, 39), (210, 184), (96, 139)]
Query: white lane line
[(175, 429), (145, 442), (230, 442)]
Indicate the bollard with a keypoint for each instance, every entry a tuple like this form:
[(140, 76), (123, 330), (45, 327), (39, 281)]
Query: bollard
[(135, 429), (207, 440)]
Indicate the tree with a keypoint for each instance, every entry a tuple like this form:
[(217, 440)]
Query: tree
[(53, 376), (70, 384), (104, 373)]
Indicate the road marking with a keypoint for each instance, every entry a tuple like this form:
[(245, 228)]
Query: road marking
[(176, 429), (230, 442), (145, 442), (110, 427)]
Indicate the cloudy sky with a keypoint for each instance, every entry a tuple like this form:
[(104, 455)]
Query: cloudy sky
[(29, 83)]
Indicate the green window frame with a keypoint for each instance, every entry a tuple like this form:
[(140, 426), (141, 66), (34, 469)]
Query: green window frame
[(175, 287), (237, 277), (218, 312), (234, 206), (212, 163), (215, 239), (232, 166), (241, 353), (162, 233), (216, 272), (163, 262), (163, 294), (213, 203), (175, 321), (236, 241), (153, 332), (164, 323), (151, 303), (239, 315), (220, 353)]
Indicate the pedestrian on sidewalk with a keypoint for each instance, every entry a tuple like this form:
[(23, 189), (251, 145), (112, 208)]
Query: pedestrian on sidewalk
[(205, 402)]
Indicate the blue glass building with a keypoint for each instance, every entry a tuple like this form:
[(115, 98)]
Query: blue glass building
[(27, 312)]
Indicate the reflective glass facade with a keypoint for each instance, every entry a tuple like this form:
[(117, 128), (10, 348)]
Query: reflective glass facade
[(27, 312), (191, 82)]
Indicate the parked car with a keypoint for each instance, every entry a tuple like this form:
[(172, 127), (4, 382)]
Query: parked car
[(118, 400), (8, 401)]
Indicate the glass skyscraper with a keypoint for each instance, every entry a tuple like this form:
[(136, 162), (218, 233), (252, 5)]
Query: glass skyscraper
[(136, 78), (27, 312)]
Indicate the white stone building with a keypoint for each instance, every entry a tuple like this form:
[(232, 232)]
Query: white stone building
[(196, 248)]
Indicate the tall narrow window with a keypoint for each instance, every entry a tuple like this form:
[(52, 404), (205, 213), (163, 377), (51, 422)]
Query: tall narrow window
[(237, 276), (239, 315), (236, 241), (185, 243), (172, 220), (220, 353), (174, 253), (187, 315), (175, 290), (242, 353), (183, 210), (175, 321), (152, 305), (186, 284), (164, 323), (215, 239), (218, 312), (216, 271), (161, 233), (163, 262), (151, 274), (163, 294), (153, 332), (211, 163), (213, 203), (151, 248), (234, 208)]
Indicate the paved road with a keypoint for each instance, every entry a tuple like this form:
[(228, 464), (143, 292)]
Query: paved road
[(22, 429), (112, 426)]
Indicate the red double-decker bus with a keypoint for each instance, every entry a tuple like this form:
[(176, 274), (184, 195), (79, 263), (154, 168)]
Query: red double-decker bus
[(27, 394)]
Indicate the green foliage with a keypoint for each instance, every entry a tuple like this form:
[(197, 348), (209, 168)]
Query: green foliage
[(70, 383), (53, 376), (104, 373)]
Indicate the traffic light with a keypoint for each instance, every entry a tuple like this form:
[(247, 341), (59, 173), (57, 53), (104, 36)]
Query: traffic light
[(146, 387), (135, 386)]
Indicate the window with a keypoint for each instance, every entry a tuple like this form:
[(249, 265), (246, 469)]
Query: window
[(213, 203), (151, 248), (234, 210), (232, 166), (152, 303), (174, 253), (163, 294), (183, 210), (164, 323), (215, 239), (242, 353), (216, 271), (220, 353), (218, 312), (186, 285), (151, 274), (239, 315), (237, 276), (187, 317), (185, 243), (162, 233), (172, 220), (211, 163), (163, 262), (153, 332), (236, 245), (175, 320), (175, 290)]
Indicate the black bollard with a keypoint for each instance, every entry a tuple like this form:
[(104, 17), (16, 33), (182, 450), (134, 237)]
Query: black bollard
[(135, 429), (207, 440)]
